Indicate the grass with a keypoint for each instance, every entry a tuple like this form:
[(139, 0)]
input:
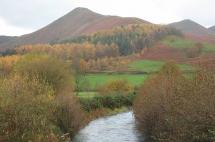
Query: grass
[(96, 80), (209, 47), (178, 42), (146, 65), (86, 94), (182, 43), (93, 81), (153, 66)]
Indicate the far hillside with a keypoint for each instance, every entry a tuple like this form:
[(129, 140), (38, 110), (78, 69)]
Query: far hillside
[(194, 31), (4, 39), (182, 50), (129, 39), (212, 29), (191, 27)]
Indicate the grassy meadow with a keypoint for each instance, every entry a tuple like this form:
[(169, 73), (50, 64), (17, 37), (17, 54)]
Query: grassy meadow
[(154, 66), (182, 43), (96, 80)]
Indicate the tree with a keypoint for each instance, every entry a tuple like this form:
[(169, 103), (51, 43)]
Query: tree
[(83, 67), (55, 109), (55, 72), (170, 107)]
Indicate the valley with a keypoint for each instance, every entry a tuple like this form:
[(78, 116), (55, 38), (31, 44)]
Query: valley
[(91, 77)]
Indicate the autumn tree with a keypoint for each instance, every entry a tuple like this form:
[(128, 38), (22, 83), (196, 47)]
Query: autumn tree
[(170, 107), (43, 81), (116, 87), (26, 110)]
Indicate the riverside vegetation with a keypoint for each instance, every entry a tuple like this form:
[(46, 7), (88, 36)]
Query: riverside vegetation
[(170, 107), (38, 100)]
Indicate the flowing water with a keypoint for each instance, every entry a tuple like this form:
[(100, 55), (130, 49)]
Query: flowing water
[(117, 128)]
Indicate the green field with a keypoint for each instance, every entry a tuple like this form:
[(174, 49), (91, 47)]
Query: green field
[(95, 80), (86, 94), (153, 66), (179, 42)]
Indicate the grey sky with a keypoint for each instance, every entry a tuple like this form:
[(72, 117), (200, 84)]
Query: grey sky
[(23, 16)]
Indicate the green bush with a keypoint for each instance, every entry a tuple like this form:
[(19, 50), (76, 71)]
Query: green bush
[(110, 101)]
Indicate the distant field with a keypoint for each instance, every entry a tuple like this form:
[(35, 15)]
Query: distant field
[(178, 42), (153, 66), (92, 81), (96, 80)]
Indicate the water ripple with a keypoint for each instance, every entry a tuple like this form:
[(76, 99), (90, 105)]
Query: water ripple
[(118, 128)]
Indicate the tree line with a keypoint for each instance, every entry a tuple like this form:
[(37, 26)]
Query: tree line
[(129, 39)]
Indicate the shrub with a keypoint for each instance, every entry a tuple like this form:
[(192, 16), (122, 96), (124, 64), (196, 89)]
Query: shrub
[(171, 108), (69, 114), (26, 110), (194, 51), (116, 87), (7, 64), (55, 72), (110, 101), (38, 104)]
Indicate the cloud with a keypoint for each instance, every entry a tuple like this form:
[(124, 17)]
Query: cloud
[(157, 11), (35, 14), (6, 29)]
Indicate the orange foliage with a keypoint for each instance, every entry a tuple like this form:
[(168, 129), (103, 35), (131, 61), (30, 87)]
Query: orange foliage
[(7, 63)]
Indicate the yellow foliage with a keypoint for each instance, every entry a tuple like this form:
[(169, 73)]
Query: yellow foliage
[(120, 87), (7, 63)]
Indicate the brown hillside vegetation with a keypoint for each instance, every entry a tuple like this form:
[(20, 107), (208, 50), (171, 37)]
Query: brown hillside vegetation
[(163, 52), (201, 38)]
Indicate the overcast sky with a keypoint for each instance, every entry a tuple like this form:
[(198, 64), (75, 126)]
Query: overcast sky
[(19, 17)]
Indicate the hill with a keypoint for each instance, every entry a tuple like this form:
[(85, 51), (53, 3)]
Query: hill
[(191, 27), (4, 39), (212, 29), (78, 22), (194, 31)]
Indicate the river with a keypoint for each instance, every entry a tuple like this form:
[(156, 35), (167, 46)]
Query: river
[(117, 128)]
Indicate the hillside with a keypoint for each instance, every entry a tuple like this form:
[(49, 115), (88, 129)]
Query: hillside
[(78, 22), (194, 31), (4, 39), (212, 29), (191, 27)]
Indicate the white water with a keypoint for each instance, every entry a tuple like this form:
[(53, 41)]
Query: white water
[(117, 128)]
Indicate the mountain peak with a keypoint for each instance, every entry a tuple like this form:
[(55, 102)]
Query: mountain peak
[(212, 28), (190, 27), (81, 9), (188, 20)]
